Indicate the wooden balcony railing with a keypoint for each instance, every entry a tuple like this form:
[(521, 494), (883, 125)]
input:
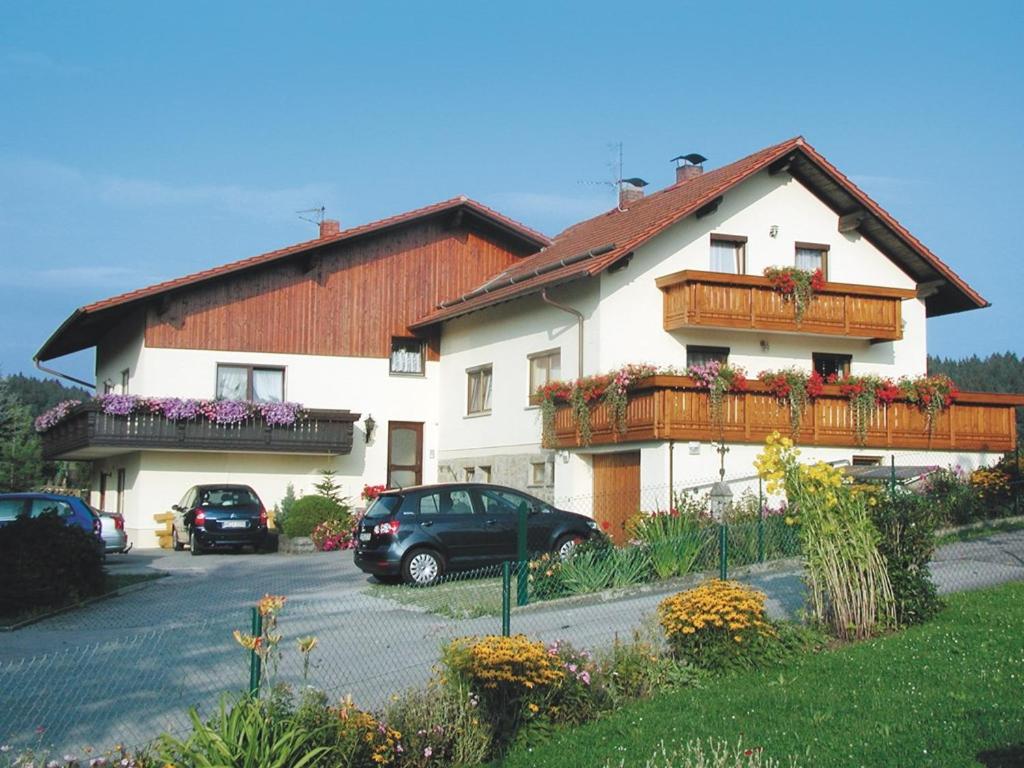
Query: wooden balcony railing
[(88, 433), (674, 408), (749, 302)]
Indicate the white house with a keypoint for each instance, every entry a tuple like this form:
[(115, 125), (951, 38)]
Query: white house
[(441, 323)]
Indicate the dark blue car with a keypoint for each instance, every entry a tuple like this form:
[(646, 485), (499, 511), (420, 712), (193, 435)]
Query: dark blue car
[(71, 509)]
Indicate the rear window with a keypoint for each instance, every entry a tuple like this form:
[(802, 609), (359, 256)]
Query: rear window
[(384, 506), (51, 507), (227, 497)]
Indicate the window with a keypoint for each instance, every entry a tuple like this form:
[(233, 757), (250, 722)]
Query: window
[(478, 394), (538, 473), (124, 381), (504, 503), (407, 356), (483, 475), (455, 502), (11, 509), (697, 355), (120, 491), (544, 367), (250, 382), (51, 507), (728, 254), (867, 461), (827, 364), (812, 256)]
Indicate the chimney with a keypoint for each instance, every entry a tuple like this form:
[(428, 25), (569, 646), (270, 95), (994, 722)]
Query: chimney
[(630, 190), (329, 228), (688, 166)]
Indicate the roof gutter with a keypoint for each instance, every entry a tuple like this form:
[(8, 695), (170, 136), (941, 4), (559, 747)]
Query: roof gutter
[(579, 324), (52, 372), (494, 285)]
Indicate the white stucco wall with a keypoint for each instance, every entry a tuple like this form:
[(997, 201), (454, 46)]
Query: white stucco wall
[(631, 302)]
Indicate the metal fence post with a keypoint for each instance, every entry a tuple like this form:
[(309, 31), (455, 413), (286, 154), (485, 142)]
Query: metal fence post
[(506, 598), (255, 667), (760, 520), (723, 551), (522, 598), (1020, 480), (892, 473)]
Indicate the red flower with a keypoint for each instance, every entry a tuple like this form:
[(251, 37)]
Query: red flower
[(832, 378), (606, 526)]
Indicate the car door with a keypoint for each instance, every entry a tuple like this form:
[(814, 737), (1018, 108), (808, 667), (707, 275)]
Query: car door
[(447, 517), (501, 517), (181, 512)]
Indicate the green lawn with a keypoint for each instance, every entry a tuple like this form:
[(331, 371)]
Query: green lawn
[(935, 695), (970, 534)]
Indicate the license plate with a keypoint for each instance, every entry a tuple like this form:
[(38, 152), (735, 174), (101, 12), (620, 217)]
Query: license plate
[(233, 524), (364, 536)]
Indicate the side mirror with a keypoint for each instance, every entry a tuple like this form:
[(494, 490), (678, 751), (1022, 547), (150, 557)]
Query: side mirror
[(176, 508)]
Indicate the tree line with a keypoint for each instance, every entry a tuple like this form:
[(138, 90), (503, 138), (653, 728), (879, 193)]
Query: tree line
[(996, 373)]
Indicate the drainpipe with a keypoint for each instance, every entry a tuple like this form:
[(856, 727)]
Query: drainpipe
[(579, 323), (52, 372), (671, 478)]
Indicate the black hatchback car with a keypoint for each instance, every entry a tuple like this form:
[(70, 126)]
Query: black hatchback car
[(219, 516), (417, 534)]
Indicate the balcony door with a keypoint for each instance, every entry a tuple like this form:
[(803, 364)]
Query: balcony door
[(616, 491), (405, 453)]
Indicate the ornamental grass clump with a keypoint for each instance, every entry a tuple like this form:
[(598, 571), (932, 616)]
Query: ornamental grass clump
[(718, 626), (850, 592)]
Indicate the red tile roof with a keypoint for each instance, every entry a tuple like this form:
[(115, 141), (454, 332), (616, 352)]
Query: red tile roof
[(612, 235)]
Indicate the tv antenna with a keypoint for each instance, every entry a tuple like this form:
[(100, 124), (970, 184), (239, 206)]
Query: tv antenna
[(313, 215), (615, 167)]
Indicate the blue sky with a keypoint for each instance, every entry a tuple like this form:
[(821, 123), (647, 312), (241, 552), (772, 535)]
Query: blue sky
[(141, 141)]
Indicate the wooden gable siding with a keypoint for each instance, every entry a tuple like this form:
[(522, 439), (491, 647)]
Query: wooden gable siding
[(349, 301)]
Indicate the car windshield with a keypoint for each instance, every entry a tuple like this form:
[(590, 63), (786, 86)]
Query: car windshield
[(11, 508), (227, 497), (384, 506)]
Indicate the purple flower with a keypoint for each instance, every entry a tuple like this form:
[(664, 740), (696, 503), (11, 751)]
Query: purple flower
[(118, 405), (226, 411), (176, 409), (279, 414), (55, 415)]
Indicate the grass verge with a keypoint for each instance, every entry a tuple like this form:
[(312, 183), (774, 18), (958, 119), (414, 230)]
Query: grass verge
[(981, 532), (938, 694), (465, 599)]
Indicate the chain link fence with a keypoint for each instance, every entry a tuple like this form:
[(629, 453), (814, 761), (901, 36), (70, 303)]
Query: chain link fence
[(374, 640)]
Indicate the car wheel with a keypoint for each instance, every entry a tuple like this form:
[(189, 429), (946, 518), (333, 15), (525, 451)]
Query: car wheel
[(422, 568), (175, 541), (565, 546), (193, 544)]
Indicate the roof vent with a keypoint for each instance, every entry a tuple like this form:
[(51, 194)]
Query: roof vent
[(630, 190), (688, 166)]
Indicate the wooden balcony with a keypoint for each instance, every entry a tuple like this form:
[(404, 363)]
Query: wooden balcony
[(674, 408), (88, 433), (750, 302)]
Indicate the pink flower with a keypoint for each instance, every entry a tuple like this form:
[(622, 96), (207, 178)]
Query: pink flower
[(428, 752)]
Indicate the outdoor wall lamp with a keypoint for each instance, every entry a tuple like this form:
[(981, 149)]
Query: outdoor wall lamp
[(369, 425)]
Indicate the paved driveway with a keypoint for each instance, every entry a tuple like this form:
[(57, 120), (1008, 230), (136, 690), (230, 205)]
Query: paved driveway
[(128, 668)]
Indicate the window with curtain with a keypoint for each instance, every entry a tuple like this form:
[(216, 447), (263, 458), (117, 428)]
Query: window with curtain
[(407, 356), (812, 257), (728, 253), (697, 355), (249, 382), (478, 396), (544, 367)]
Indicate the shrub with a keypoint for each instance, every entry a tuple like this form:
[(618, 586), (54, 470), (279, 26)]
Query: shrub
[(332, 535), (441, 726), (719, 625), (45, 563), (950, 492), (309, 511), (580, 694), (907, 522), (507, 673), (673, 541), (638, 669), (282, 509)]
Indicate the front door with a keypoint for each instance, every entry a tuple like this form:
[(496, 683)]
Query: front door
[(616, 491), (405, 453)]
